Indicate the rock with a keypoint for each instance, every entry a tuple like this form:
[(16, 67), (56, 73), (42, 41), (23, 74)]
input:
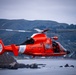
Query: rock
[(72, 66), (43, 65), (13, 65), (27, 66), (66, 65), (20, 65), (34, 66), (4, 66), (60, 66), (8, 61)]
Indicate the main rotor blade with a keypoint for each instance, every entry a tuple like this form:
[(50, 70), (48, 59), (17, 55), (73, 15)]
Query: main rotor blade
[(61, 30), (15, 30), (41, 31), (38, 30), (66, 30)]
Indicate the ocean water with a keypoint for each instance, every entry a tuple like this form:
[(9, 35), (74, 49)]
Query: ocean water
[(52, 67)]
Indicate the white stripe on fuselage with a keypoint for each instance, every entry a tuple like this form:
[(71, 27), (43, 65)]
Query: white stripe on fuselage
[(1, 48), (22, 48)]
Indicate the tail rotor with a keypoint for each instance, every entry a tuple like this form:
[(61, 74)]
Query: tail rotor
[(1, 47)]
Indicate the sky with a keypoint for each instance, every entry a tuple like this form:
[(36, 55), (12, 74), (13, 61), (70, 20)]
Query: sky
[(63, 11)]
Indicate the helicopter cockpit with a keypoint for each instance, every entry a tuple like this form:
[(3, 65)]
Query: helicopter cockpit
[(28, 41), (55, 47)]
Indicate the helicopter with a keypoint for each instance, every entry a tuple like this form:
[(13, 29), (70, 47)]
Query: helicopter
[(39, 44)]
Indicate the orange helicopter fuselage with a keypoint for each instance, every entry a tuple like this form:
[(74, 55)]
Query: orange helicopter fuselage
[(40, 45)]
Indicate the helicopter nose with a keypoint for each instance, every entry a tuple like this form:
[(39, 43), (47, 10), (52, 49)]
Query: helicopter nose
[(68, 52)]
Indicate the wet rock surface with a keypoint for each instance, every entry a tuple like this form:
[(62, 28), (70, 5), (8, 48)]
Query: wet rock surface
[(6, 59), (31, 66), (67, 65), (8, 62), (20, 65)]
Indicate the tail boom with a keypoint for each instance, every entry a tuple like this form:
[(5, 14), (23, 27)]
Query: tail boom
[(12, 48), (9, 48)]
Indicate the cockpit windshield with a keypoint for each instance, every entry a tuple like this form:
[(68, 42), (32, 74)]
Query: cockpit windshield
[(55, 47), (29, 41)]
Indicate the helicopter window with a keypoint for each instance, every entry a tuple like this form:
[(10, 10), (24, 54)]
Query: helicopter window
[(55, 47), (29, 41), (47, 46)]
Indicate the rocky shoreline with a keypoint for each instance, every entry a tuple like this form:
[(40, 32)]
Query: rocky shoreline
[(8, 62), (19, 65)]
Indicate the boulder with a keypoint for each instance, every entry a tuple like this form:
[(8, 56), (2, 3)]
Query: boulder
[(34, 66), (7, 61), (66, 65)]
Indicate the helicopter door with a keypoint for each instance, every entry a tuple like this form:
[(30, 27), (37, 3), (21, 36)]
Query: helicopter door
[(48, 47), (55, 47)]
